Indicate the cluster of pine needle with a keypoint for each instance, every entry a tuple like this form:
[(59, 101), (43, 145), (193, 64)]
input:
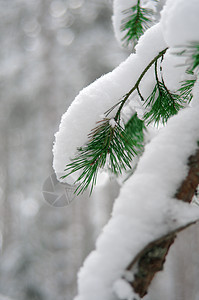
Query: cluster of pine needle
[(110, 145), (138, 20), (162, 102), (191, 51)]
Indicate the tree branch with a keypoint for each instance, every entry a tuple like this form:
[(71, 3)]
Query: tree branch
[(151, 259), (160, 54)]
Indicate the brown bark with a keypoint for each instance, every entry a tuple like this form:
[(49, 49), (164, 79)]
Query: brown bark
[(151, 259), (190, 183)]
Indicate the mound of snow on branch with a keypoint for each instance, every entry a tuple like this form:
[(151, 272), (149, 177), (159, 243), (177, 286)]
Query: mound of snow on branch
[(145, 209)]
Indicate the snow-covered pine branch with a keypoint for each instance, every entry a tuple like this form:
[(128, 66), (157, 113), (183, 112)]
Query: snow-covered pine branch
[(100, 96), (107, 91), (146, 208)]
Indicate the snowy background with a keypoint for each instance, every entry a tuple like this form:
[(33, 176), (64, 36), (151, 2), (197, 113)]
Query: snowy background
[(49, 51)]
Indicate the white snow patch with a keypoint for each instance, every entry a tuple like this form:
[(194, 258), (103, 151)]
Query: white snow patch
[(123, 289), (180, 22), (128, 276), (112, 123), (102, 116)]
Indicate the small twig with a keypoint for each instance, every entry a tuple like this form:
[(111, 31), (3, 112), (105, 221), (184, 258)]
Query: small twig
[(156, 77), (138, 81), (139, 93)]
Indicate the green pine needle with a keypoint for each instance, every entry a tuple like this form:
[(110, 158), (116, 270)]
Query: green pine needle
[(135, 127), (136, 23), (163, 104), (107, 145), (186, 90), (195, 57), (190, 51)]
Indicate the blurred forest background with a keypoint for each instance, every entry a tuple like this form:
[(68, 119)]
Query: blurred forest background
[(49, 51)]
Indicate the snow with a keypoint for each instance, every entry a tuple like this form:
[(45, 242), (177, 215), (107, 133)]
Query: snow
[(112, 123), (146, 196), (177, 32), (94, 100), (123, 289), (128, 276)]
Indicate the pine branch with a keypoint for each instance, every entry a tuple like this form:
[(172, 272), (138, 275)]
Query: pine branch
[(109, 144), (136, 23), (186, 89), (151, 259), (162, 103), (126, 97)]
